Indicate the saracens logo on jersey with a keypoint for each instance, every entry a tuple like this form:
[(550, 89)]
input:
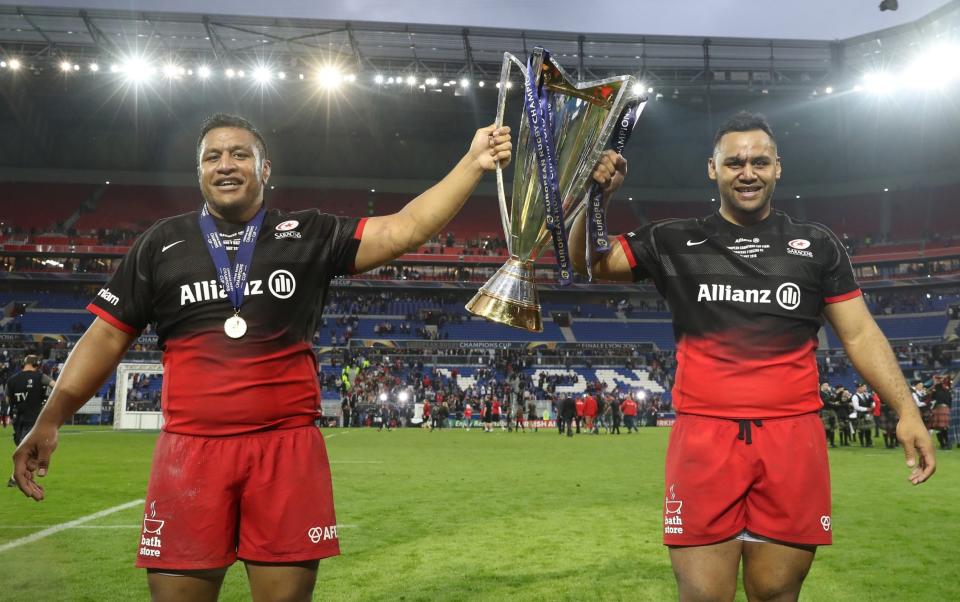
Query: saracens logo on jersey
[(799, 246), (787, 295), (287, 229)]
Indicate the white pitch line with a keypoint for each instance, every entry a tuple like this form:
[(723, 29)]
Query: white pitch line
[(64, 526), (2, 527), (356, 462)]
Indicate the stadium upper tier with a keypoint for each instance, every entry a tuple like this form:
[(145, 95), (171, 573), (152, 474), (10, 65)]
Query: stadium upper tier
[(81, 214)]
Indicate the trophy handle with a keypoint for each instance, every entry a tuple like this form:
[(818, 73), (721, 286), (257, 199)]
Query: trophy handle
[(508, 59)]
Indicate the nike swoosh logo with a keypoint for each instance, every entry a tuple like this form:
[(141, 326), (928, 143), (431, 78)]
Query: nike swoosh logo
[(173, 244), (690, 243)]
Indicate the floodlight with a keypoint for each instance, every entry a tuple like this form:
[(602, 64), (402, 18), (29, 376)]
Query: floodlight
[(403, 396), (94, 67), (14, 64), (329, 77), (350, 77), (431, 81), (390, 80), (509, 85), (480, 83), (879, 82), (230, 73), (169, 71), (411, 80), (464, 83), (828, 89), (262, 74), (282, 75), (136, 69), (66, 66), (378, 79), (203, 72), (637, 89), (383, 397)]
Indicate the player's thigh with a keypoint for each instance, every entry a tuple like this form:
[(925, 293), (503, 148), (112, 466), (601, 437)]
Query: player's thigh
[(292, 582), (706, 573), (774, 571), (185, 586)]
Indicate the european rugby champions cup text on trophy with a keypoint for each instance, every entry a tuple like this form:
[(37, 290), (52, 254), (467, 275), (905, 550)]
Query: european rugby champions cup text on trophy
[(565, 128)]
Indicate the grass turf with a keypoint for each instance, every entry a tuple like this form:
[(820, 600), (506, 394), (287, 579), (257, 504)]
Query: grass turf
[(457, 515)]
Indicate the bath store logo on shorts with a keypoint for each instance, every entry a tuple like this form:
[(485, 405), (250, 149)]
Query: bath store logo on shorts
[(672, 522), (150, 543), (825, 522)]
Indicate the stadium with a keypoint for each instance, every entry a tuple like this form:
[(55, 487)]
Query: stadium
[(441, 426)]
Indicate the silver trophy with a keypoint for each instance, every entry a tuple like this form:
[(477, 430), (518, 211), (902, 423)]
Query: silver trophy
[(582, 121)]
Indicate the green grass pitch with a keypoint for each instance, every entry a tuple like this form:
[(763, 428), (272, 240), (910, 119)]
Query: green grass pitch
[(474, 516)]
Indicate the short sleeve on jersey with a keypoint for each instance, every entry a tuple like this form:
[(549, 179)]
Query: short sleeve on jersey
[(126, 301), (641, 250), (838, 282), (346, 242)]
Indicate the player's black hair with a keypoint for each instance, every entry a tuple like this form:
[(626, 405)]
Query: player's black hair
[(226, 120), (744, 121)]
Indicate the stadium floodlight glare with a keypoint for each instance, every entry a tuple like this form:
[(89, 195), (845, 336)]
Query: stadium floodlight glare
[(137, 69), (480, 83), (880, 82), (282, 75), (230, 73), (935, 68), (329, 77), (262, 74), (350, 77), (203, 72), (94, 67), (403, 396), (464, 83), (390, 80), (509, 85), (828, 89), (378, 79), (170, 71), (66, 66), (383, 397), (14, 64), (411, 80), (637, 89), (431, 81)]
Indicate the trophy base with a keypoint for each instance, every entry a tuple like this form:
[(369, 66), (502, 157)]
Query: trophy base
[(510, 297)]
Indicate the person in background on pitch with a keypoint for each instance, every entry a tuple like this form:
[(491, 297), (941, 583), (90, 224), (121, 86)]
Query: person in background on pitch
[(240, 386), (940, 418), (568, 412), (862, 402), (25, 394), (828, 413), (630, 411), (749, 287)]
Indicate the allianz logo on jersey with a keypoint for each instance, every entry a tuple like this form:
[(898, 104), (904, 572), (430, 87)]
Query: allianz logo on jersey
[(786, 296), (281, 285)]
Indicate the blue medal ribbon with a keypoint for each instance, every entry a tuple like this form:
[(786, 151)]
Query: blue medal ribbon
[(597, 242), (233, 279), (540, 119)]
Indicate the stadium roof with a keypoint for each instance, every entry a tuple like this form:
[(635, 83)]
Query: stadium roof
[(674, 43), (808, 19)]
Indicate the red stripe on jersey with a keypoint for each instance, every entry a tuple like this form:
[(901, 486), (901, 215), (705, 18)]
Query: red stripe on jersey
[(112, 321), (843, 297), (358, 233), (716, 379), (626, 251), (219, 387)]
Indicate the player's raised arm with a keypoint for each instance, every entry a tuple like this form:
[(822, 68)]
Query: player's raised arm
[(390, 236), (870, 352), (95, 356), (612, 265)]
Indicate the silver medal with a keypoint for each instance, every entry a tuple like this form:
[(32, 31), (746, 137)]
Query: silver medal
[(235, 327)]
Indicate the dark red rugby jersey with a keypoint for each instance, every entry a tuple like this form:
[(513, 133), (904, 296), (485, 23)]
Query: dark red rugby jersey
[(747, 303), (215, 385)]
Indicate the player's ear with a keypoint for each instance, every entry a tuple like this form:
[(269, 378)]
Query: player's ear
[(265, 171), (712, 169)]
